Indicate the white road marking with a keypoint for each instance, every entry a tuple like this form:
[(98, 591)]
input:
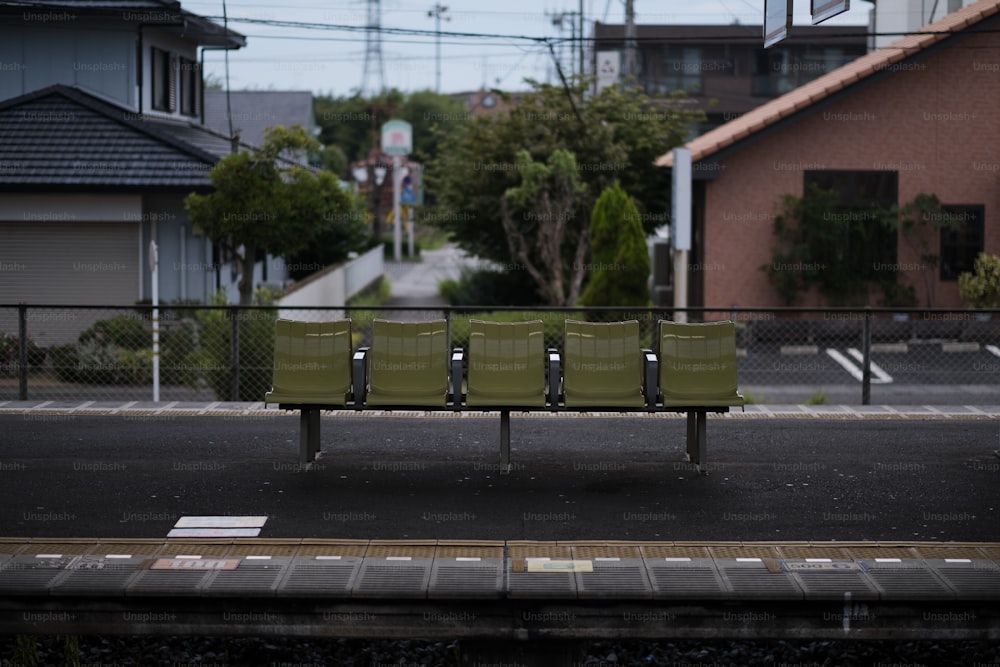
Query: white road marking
[(993, 349), (880, 376)]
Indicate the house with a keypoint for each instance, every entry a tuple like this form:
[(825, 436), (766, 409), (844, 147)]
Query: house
[(890, 18), (101, 138), (919, 116), (250, 112), (724, 69)]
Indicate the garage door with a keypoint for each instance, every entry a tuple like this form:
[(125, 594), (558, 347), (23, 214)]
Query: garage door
[(66, 263)]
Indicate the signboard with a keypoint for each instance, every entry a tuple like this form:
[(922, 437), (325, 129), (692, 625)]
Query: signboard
[(188, 564), (777, 21), (827, 9), (681, 199), (609, 65), (397, 138)]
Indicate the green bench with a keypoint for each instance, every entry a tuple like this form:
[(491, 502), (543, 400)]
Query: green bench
[(505, 369)]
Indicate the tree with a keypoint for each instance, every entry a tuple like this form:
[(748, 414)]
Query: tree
[(618, 257), (537, 216), (617, 136), (264, 202), (916, 222)]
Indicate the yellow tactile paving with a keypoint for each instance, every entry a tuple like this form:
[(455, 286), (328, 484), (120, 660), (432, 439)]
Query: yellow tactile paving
[(344, 548), (673, 551), (606, 551), (71, 547), (400, 549), (859, 553), (132, 547), (203, 548), (277, 550), (809, 551), (539, 550), (743, 551), (470, 551)]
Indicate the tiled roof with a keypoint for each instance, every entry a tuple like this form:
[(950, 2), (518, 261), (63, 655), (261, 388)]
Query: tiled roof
[(880, 61), (63, 137)]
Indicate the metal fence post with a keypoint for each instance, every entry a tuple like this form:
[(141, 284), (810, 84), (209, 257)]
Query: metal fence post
[(234, 355), (866, 359), (22, 352)]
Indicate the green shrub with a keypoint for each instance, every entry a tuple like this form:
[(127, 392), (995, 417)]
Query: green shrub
[(129, 332), (981, 288), (256, 338), (486, 287)]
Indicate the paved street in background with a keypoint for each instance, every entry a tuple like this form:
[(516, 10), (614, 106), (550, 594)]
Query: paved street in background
[(435, 476)]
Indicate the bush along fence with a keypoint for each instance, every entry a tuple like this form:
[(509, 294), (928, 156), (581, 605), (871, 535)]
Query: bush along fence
[(224, 352)]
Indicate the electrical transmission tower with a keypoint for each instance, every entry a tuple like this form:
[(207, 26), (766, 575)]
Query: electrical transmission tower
[(374, 69)]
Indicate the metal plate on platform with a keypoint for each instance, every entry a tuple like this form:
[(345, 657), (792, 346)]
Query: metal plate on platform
[(466, 577), (177, 576), (31, 575), (614, 578), (393, 577), (907, 579), (685, 577), (98, 575), (751, 578), (254, 577), (544, 584), (971, 579), (326, 576), (829, 579)]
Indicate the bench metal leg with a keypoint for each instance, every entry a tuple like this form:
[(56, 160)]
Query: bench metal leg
[(308, 434), (696, 438), (505, 442)]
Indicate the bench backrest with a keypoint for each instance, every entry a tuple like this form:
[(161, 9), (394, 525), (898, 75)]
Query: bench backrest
[(698, 364), (408, 364), (506, 364), (602, 364), (312, 362)]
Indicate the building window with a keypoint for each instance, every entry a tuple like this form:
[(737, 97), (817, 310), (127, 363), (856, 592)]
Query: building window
[(190, 88), (864, 244), (682, 71), (164, 80), (959, 247)]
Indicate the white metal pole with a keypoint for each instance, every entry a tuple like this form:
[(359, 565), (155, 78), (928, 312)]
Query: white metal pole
[(154, 264), (397, 239), (681, 232)]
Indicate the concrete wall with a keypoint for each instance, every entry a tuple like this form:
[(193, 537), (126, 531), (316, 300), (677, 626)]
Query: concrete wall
[(335, 285)]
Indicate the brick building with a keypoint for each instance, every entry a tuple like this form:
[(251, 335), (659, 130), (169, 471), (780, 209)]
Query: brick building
[(919, 116)]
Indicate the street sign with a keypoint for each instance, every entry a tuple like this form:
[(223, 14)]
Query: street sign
[(397, 138), (608, 69), (827, 9), (777, 21)]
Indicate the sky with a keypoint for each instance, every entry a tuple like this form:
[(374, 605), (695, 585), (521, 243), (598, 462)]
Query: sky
[(329, 59)]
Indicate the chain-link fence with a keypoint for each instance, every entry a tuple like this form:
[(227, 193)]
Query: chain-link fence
[(224, 353)]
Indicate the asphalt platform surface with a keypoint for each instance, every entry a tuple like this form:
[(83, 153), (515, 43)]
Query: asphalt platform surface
[(435, 476)]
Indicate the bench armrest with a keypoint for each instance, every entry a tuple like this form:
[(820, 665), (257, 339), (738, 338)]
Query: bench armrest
[(555, 377), (359, 377), (649, 374), (457, 369)]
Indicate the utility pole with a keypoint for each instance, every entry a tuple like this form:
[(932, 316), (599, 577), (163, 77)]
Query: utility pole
[(580, 43), (631, 47), (436, 12), (374, 68)]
